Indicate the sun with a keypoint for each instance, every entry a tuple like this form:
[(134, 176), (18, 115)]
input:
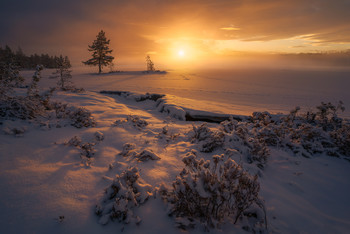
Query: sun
[(181, 53)]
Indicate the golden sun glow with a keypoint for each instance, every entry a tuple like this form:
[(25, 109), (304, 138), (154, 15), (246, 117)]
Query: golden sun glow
[(181, 53)]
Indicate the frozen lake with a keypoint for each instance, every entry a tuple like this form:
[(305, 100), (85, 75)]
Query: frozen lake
[(237, 91)]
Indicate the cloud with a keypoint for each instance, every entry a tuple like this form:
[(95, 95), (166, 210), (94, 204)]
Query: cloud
[(230, 28)]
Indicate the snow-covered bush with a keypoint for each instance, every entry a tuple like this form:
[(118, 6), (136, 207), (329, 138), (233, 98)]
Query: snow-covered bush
[(341, 138), (21, 108), (99, 136), (37, 105), (305, 134), (261, 118), (258, 153), (129, 150), (146, 154), (86, 148), (233, 135), (16, 131), (207, 139), (327, 115), (137, 121), (74, 141), (229, 125), (166, 135), (120, 199), (78, 116), (81, 117), (25, 107), (212, 192), (133, 120)]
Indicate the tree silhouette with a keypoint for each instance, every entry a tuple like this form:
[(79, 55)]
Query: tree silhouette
[(100, 50), (150, 64), (9, 72), (62, 72)]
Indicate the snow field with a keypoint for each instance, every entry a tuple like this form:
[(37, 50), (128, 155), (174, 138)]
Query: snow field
[(42, 178)]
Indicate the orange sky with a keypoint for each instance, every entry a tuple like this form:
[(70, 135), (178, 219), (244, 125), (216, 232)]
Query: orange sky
[(199, 28)]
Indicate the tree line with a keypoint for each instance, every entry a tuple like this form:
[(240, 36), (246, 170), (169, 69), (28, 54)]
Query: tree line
[(101, 57), (11, 63), (24, 61)]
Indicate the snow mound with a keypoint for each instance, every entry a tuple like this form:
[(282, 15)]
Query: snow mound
[(178, 108), (171, 109)]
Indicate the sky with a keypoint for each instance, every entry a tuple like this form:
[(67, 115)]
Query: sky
[(176, 30)]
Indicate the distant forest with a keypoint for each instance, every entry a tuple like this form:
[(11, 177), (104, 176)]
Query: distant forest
[(27, 61), (338, 58)]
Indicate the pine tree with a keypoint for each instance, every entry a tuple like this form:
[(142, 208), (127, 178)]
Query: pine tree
[(150, 64), (9, 71), (33, 91), (100, 49), (20, 57), (63, 72)]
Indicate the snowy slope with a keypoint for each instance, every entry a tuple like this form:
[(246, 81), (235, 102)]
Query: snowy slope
[(42, 177)]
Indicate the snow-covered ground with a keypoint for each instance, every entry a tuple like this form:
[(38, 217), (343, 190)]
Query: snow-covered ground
[(236, 91), (48, 187)]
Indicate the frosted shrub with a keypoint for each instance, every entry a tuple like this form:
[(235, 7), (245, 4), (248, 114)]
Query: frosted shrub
[(78, 116), (207, 139), (133, 120), (24, 107), (304, 134), (147, 154), (20, 108), (270, 135), (137, 121), (129, 150), (341, 138), (290, 119), (16, 131), (99, 136), (166, 135), (261, 118), (327, 115), (246, 139), (311, 138), (121, 198), (74, 141), (81, 117), (229, 125), (259, 153), (211, 192), (86, 148)]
